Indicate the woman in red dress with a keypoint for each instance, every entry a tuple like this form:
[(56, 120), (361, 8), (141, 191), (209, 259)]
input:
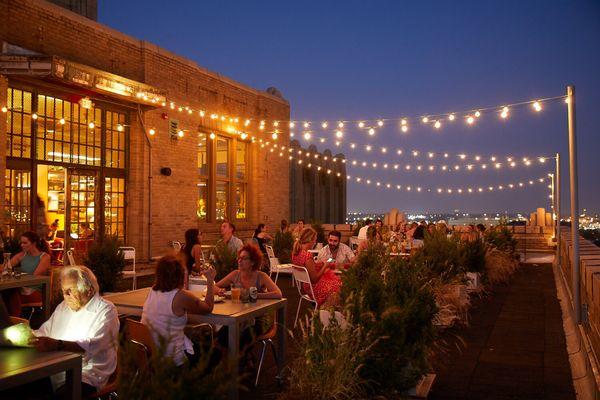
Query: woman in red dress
[(326, 284)]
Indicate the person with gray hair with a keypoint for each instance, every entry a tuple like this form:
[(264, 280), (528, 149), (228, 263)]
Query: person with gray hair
[(83, 323)]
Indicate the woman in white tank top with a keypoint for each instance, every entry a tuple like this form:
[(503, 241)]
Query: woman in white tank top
[(168, 304)]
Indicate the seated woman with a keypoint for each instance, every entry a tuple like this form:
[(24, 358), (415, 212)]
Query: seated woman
[(193, 252), (167, 307), (262, 237), (326, 284), (246, 276), (35, 260), (373, 237)]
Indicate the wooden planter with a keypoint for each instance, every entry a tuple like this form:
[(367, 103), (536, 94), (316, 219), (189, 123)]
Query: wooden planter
[(423, 387)]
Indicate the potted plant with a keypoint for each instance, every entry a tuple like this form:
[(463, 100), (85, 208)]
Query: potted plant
[(106, 262)]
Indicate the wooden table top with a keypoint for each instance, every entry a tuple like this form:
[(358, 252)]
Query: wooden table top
[(135, 300), (24, 281)]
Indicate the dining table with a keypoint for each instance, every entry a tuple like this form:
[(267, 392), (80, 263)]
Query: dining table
[(24, 365), (28, 280), (233, 314)]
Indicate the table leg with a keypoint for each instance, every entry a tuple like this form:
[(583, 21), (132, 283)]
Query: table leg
[(233, 358), (46, 290), (73, 380), (281, 335)]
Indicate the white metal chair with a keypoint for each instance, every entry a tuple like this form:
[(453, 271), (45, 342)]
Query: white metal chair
[(301, 276), (129, 255), (176, 245), (270, 251), (70, 257), (276, 268)]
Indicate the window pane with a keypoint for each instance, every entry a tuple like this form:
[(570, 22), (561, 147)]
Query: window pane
[(202, 200), (241, 161), (222, 155), (202, 154), (221, 198), (114, 207), (17, 201), (240, 201)]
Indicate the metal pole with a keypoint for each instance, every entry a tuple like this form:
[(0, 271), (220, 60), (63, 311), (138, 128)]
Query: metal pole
[(574, 201), (557, 207)]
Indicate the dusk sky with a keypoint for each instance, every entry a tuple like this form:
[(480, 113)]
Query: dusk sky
[(355, 60)]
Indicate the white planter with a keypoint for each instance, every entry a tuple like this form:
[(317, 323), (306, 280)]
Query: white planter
[(474, 281), (422, 389)]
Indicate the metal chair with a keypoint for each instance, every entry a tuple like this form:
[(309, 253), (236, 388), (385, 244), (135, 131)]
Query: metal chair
[(129, 254), (276, 268), (70, 257), (267, 339), (176, 245), (301, 277), (38, 304), (270, 251)]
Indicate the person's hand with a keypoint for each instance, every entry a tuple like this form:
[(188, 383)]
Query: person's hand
[(210, 273), (332, 265), (219, 291), (44, 343)]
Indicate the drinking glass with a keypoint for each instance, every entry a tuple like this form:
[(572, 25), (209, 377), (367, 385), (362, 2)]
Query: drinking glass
[(235, 294)]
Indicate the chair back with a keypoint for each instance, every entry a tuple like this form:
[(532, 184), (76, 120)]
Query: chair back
[(18, 320), (270, 251), (128, 252), (176, 245), (139, 334), (301, 276), (70, 257), (273, 262)]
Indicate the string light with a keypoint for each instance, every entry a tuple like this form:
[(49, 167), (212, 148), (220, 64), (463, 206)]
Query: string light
[(425, 120), (62, 121), (504, 113), (470, 120), (380, 123), (340, 124), (152, 132), (361, 124), (180, 133), (537, 106), (451, 117), (307, 135), (4, 109), (212, 136), (437, 125), (404, 128), (120, 128), (371, 131)]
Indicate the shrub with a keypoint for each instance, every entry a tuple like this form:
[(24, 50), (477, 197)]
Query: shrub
[(472, 256), (501, 238), (440, 256), (499, 266), (106, 261), (225, 260), (282, 246), (394, 303), (329, 361)]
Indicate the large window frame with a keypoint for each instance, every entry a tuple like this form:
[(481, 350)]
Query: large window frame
[(222, 186), (62, 127)]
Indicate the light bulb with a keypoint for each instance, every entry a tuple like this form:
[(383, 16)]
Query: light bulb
[(470, 120), (324, 125), (380, 123), (437, 125), (451, 117), (368, 147), (340, 124), (212, 135), (477, 114), (322, 140), (292, 125), (306, 124), (120, 128), (180, 133), (425, 120), (244, 136), (4, 109), (91, 125), (274, 135), (152, 132), (62, 121), (339, 134), (361, 124), (403, 122), (537, 106), (202, 114), (371, 131), (307, 136), (34, 116), (404, 128)]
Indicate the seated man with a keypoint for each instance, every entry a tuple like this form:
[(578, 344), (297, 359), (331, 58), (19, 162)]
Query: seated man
[(336, 251), (84, 323)]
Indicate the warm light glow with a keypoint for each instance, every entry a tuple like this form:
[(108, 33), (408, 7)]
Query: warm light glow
[(371, 131), (451, 117), (34, 116), (212, 135), (380, 123), (4, 109), (352, 146), (339, 134), (477, 114), (292, 125), (361, 124), (425, 120), (340, 124), (430, 155), (542, 160), (437, 125), (322, 140), (62, 121), (307, 136), (306, 124), (274, 135), (403, 122), (120, 128), (470, 120), (537, 106), (324, 125), (91, 125), (244, 135), (383, 150), (404, 128), (368, 148)]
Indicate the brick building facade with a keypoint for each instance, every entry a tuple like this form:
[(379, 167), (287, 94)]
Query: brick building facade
[(318, 186), (146, 143)]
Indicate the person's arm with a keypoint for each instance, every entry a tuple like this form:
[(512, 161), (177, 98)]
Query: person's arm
[(16, 260), (43, 267), (323, 254), (311, 267), (348, 254), (226, 282), (273, 291), (45, 343), (197, 255)]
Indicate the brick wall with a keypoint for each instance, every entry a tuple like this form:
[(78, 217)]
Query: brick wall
[(49, 29)]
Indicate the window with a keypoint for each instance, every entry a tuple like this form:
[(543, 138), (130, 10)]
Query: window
[(17, 201), (67, 132), (115, 140), (19, 123), (114, 207), (222, 178)]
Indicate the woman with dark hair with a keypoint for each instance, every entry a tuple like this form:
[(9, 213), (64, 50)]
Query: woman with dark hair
[(34, 260), (262, 237), (167, 307), (248, 275), (193, 249)]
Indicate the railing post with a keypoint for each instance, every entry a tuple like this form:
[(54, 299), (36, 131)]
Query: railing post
[(574, 201), (557, 208)]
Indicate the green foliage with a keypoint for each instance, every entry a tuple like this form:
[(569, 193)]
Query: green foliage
[(282, 246), (398, 309), (472, 255), (329, 361), (160, 379), (441, 257), (225, 260), (501, 238), (318, 227), (106, 261)]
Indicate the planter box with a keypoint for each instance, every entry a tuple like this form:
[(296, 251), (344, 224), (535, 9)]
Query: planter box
[(474, 283), (422, 389)]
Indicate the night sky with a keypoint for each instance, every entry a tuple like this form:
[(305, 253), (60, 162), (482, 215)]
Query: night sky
[(369, 59)]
